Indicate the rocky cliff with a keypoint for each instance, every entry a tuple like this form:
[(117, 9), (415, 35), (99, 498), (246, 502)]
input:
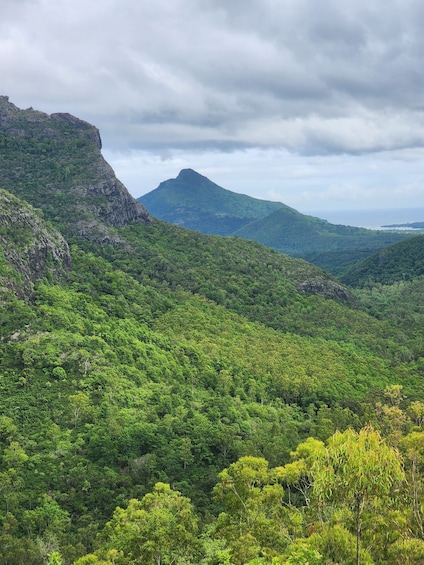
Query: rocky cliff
[(55, 163), (29, 249)]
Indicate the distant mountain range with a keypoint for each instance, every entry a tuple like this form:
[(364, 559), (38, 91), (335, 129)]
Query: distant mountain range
[(193, 201)]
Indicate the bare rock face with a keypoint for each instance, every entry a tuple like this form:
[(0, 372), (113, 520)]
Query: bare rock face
[(55, 163), (29, 249), (116, 206)]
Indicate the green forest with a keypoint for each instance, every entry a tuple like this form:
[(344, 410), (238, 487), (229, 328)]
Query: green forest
[(170, 397)]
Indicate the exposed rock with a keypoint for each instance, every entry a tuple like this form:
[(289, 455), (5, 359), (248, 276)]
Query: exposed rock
[(54, 162), (30, 249), (326, 287)]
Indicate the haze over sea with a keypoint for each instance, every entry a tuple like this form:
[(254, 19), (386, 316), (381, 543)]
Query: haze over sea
[(371, 219)]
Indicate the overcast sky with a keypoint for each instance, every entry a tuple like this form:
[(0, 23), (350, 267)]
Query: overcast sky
[(315, 103)]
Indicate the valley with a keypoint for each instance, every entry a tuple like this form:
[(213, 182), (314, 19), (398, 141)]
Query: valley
[(172, 396)]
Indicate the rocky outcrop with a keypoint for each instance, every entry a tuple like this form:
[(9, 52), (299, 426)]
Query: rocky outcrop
[(325, 286), (33, 123), (116, 206), (30, 250), (55, 163)]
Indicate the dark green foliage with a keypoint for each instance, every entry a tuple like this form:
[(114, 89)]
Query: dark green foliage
[(114, 385), (29, 248), (54, 163), (403, 261), (162, 355), (338, 261), (43, 164), (288, 231)]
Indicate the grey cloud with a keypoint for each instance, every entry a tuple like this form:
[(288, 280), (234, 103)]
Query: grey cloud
[(314, 77)]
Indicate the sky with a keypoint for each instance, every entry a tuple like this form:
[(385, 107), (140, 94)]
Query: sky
[(318, 104)]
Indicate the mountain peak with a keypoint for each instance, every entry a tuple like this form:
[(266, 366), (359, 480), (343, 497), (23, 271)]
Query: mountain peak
[(195, 202), (190, 175), (70, 180)]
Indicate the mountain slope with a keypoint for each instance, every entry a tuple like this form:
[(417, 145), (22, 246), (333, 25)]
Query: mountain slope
[(29, 249), (37, 148), (194, 202), (299, 235), (55, 163), (402, 261)]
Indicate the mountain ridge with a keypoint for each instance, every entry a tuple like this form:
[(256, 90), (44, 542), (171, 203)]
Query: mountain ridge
[(400, 262), (197, 203), (162, 360), (191, 200)]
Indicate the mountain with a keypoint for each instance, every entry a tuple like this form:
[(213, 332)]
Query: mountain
[(329, 246), (139, 360), (55, 163), (194, 202), (403, 261)]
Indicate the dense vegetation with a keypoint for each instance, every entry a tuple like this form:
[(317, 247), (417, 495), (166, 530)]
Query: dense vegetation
[(290, 232), (171, 397), (54, 163), (400, 262)]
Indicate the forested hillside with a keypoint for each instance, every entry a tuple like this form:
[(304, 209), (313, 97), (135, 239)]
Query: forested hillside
[(400, 262), (390, 285), (172, 397)]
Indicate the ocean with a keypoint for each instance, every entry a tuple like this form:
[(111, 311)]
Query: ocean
[(371, 219)]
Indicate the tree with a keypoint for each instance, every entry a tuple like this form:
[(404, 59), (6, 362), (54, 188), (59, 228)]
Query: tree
[(356, 470), (158, 530), (55, 558), (255, 523), (297, 473), (80, 406), (413, 448)]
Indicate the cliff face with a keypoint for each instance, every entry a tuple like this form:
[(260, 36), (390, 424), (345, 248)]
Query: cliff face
[(29, 249), (54, 162)]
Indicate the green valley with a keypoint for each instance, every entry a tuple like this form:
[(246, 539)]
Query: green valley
[(169, 396)]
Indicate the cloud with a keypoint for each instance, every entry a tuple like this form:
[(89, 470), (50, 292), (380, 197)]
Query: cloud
[(314, 78), (316, 182), (263, 73)]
